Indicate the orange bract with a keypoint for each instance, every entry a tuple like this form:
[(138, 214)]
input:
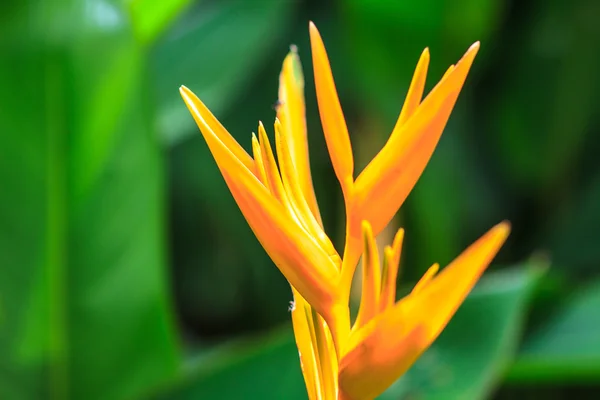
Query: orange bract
[(274, 191)]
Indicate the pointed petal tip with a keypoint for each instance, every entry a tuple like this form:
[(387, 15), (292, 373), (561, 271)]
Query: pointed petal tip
[(314, 32), (184, 91), (293, 49), (474, 48), (502, 229)]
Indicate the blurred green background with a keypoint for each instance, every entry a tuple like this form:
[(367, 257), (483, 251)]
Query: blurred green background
[(127, 272)]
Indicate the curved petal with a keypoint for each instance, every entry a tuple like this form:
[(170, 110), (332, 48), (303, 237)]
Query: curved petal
[(371, 279), (291, 112), (385, 183), (415, 91), (302, 324), (332, 117), (305, 265), (385, 348), (201, 111)]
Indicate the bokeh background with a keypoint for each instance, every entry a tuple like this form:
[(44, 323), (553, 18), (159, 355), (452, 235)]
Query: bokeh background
[(127, 272)]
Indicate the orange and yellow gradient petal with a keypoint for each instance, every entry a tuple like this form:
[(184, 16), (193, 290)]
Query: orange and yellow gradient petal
[(381, 351)]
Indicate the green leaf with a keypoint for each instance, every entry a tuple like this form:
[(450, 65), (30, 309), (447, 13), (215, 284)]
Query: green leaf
[(84, 311), (215, 51), (151, 17), (472, 353), (566, 347), (266, 368)]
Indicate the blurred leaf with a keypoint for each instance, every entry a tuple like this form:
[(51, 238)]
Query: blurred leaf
[(471, 354), (567, 347), (266, 369), (574, 232), (82, 288), (215, 51), (547, 100), (151, 17)]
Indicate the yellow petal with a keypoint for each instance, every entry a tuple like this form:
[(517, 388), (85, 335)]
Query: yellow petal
[(365, 374), (271, 171), (327, 358), (389, 274), (371, 279), (295, 195), (385, 183), (291, 112), (258, 161), (332, 118), (442, 296), (425, 279), (305, 265), (200, 111), (302, 334), (415, 91), (384, 349)]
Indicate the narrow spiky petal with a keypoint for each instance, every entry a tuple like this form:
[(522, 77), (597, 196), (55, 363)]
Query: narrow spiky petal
[(415, 91), (308, 361), (385, 183), (371, 279), (295, 195), (326, 357), (291, 112), (387, 346), (332, 117), (273, 177), (389, 275), (218, 129), (305, 265), (258, 161), (426, 278)]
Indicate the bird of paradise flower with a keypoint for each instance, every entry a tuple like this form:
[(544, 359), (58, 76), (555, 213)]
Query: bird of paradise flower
[(343, 359)]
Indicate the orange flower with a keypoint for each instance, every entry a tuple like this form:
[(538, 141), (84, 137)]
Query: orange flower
[(276, 196)]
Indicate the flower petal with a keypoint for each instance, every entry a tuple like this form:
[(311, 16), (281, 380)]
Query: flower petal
[(296, 196), (385, 183), (302, 334), (385, 348), (332, 117), (415, 91), (426, 278), (370, 368), (305, 265), (371, 279), (444, 293), (291, 113), (389, 274), (201, 111)]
